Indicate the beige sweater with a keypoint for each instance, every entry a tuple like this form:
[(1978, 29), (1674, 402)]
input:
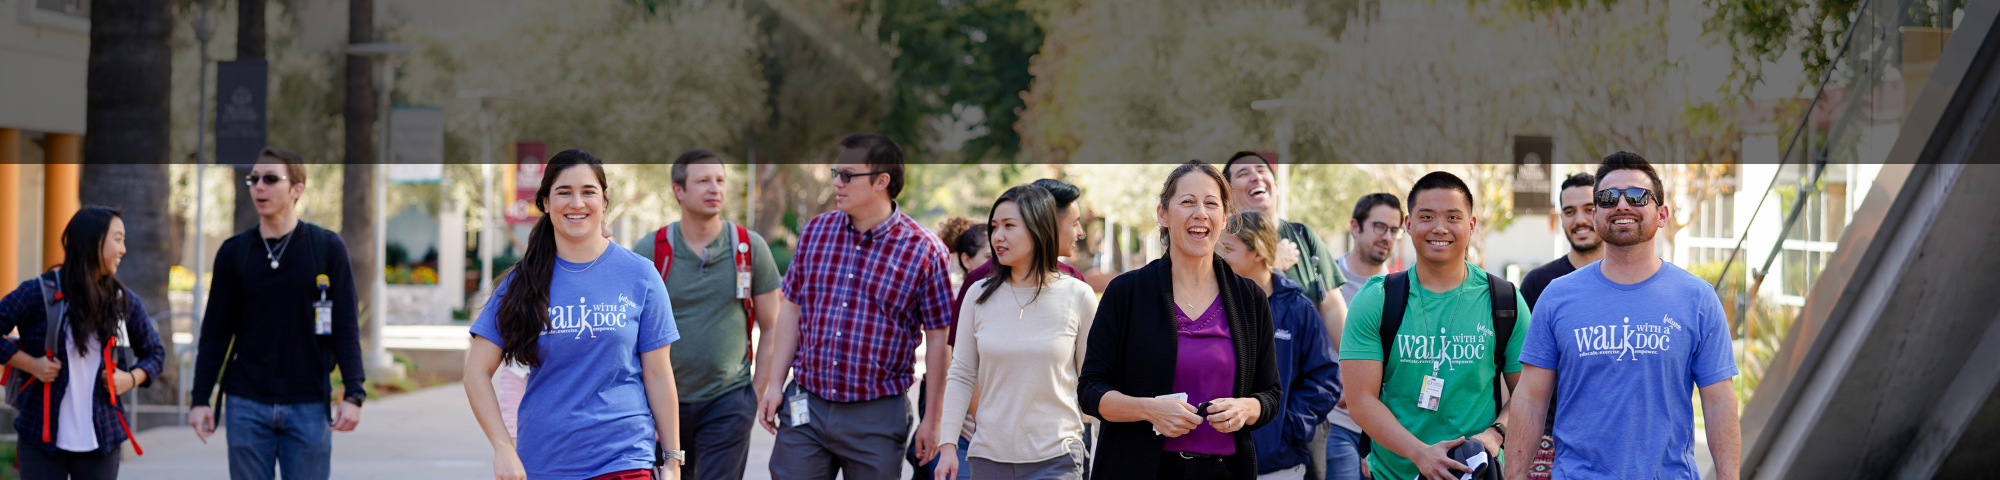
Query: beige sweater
[(1024, 353)]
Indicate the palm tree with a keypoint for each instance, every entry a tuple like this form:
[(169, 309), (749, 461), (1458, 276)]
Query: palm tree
[(357, 207), (125, 151), (249, 46)]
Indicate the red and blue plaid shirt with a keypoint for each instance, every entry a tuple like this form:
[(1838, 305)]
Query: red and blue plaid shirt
[(865, 299)]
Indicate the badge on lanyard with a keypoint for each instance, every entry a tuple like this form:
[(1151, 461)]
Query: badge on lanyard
[(322, 309), (742, 270), (801, 407)]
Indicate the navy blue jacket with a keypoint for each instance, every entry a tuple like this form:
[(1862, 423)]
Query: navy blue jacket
[(23, 309), (1307, 369)]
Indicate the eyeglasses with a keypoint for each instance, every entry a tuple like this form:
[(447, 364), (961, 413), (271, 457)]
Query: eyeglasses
[(269, 179), (1383, 229), (844, 177), (1638, 197)]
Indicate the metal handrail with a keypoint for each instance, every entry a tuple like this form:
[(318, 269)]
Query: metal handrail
[(1807, 188)]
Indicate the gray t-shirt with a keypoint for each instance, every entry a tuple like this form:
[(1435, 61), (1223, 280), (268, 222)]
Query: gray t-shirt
[(713, 357), (1339, 416)]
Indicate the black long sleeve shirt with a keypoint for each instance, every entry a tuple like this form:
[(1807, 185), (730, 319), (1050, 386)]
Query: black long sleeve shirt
[(268, 312)]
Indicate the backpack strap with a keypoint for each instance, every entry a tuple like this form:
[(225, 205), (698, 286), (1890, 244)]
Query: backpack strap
[(1504, 311), (1396, 297), (741, 251), (54, 309), (663, 252)]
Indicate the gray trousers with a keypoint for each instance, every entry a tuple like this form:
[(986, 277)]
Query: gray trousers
[(857, 440), (1066, 467)]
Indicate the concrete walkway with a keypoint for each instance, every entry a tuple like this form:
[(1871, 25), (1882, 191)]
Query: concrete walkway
[(426, 434)]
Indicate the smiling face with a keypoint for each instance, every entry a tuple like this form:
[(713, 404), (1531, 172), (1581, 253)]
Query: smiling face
[(1253, 184), (1194, 215), (862, 190), (276, 198), (1069, 230), (1579, 212), (113, 250), (576, 204), (1012, 245), (1441, 226), (1626, 225), (705, 187)]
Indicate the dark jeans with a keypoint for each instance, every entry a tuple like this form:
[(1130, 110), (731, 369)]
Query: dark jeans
[(716, 434), (857, 440), (295, 439), (1173, 467), (65, 465)]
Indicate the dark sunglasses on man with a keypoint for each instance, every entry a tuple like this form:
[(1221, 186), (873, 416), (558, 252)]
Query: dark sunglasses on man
[(269, 179), (845, 177), (1638, 197)]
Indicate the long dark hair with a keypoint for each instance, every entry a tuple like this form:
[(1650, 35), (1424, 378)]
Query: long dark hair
[(524, 309), (97, 301), (1038, 213)]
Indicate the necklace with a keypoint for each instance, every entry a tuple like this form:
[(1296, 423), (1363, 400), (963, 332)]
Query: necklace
[(593, 263), (282, 244), (1017, 303)]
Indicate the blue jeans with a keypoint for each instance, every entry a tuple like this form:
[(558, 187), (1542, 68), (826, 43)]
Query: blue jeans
[(1342, 461), (927, 471), (295, 438)]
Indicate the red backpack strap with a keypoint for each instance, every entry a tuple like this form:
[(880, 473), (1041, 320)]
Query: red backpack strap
[(663, 253), (742, 254)]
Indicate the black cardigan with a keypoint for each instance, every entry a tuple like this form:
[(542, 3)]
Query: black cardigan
[(1133, 349)]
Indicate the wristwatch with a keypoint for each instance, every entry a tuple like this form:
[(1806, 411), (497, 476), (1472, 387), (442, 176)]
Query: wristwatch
[(677, 455), (355, 397)]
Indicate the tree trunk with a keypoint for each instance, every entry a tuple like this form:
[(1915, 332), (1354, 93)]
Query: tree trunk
[(357, 206), (249, 45), (125, 154)]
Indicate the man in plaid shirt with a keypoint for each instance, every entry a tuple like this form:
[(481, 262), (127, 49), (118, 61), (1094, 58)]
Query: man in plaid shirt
[(865, 281)]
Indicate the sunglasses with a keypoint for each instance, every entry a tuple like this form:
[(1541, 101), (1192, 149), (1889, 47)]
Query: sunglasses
[(844, 177), (1638, 197), (269, 179)]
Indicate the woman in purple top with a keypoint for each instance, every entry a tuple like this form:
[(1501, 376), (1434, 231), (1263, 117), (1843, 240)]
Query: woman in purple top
[(1180, 363)]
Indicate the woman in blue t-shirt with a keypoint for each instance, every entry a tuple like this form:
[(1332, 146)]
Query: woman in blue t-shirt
[(593, 321)]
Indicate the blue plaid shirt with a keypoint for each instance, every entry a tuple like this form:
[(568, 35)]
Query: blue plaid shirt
[(865, 299), (23, 309)]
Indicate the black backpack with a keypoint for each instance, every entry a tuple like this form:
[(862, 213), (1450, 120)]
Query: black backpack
[(1396, 288)]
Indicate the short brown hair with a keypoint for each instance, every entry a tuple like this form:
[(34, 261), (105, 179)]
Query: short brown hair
[(295, 166), (1257, 230), (1632, 161), (680, 170)]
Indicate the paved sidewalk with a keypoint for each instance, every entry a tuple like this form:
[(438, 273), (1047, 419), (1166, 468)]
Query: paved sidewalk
[(426, 434)]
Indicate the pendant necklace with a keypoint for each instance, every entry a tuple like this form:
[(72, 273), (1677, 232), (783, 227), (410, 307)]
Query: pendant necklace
[(274, 256)]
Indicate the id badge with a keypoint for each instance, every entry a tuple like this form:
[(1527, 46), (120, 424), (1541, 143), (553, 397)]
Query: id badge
[(742, 285), (1432, 392), (322, 317), (801, 410)]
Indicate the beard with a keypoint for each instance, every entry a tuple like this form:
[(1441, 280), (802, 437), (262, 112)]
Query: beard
[(1378, 256), (1587, 246), (1644, 233)]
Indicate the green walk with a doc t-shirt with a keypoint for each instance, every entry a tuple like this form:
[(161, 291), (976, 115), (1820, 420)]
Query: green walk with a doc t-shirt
[(1448, 335)]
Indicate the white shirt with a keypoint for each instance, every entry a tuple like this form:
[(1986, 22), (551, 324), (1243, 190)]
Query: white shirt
[(75, 429), (1024, 353)]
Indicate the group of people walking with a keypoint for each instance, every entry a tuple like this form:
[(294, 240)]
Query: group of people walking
[(1248, 350)]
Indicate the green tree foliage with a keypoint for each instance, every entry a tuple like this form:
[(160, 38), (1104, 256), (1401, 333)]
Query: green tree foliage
[(961, 68)]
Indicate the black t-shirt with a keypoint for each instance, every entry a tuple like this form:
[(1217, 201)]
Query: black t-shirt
[(277, 356), (1539, 278)]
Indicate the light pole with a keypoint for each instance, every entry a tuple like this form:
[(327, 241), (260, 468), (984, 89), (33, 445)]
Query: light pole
[(1283, 108), (489, 232), (204, 30), (378, 362)]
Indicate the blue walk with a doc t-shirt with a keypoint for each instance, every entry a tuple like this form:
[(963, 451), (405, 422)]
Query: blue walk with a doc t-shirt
[(585, 412), (1627, 361)]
